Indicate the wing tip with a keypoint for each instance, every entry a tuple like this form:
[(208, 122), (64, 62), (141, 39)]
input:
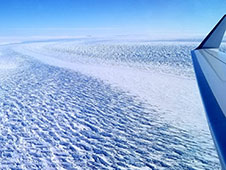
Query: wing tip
[(214, 38)]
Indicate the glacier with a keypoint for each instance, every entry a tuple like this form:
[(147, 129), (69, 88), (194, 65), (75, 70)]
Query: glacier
[(102, 104)]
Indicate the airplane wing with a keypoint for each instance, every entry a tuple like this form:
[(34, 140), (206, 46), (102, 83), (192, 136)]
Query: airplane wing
[(210, 69)]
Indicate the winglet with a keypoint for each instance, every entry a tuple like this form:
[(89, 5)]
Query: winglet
[(214, 38)]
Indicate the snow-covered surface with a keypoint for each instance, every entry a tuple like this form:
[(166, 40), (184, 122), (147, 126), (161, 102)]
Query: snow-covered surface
[(94, 104), (155, 72)]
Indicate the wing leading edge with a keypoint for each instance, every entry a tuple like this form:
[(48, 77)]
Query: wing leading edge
[(210, 69)]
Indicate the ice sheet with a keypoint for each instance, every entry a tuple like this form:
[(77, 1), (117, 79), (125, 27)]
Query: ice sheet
[(61, 110)]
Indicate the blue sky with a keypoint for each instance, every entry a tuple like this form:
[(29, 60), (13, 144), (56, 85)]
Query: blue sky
[(157, 18)]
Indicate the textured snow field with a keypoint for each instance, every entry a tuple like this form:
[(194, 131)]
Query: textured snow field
[(93, 104)]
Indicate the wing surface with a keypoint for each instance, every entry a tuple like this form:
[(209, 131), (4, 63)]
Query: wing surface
[(210, 69)]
